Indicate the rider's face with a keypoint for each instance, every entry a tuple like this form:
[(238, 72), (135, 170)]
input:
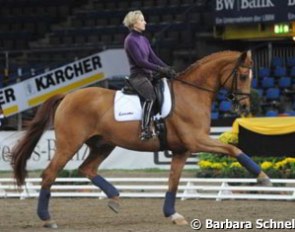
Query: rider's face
[(140, 24)]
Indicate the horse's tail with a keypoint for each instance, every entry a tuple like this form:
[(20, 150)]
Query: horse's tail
[(23, 150)]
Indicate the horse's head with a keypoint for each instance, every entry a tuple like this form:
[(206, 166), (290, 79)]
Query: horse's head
[(237, 77), (227, 69)]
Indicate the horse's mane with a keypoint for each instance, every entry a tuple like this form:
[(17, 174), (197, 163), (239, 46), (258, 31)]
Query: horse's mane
[(206, 59)]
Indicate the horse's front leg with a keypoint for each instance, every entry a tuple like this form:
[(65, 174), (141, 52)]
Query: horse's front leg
[(178, 161)]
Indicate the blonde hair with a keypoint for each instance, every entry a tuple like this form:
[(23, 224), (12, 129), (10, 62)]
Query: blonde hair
[(131, 18)]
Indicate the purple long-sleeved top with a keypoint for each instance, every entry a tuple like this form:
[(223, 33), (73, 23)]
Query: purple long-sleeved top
[(140, 54)]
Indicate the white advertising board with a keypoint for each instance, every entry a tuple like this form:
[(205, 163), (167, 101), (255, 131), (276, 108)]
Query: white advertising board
[(119, 159)]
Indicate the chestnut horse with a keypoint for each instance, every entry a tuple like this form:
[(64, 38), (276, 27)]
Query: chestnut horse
[(87, 116)]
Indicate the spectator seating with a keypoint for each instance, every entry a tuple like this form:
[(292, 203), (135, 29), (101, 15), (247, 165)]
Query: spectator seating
[(222, 94), (290, 61), (277, 61), (263, 72), (273, 94), (92, 25), (271, 113), (260, 92), (254, 83), (285, 82), (225, 106), (268, 82), (290, 113), (214, 115), (292, 72), (280, 71)]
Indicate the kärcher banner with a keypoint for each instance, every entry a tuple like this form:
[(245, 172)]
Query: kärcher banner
[(64, 79)]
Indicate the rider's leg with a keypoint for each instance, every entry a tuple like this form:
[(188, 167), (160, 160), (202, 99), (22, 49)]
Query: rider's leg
[(145, 89), (146, 133)]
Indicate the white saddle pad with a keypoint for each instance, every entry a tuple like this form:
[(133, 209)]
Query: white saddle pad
[(128, 107)]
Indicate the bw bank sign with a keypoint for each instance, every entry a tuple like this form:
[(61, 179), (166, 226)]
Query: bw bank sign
[(253, 11), (64, 79)]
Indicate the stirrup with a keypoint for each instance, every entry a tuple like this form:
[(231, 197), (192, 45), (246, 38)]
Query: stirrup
[(146, 135)]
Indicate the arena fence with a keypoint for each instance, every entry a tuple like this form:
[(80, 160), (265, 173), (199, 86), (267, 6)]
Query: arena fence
[(189, 188)]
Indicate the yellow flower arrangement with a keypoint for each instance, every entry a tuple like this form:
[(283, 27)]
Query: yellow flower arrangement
[(235, 165), (228, 137), (204, 164), (218, 165), (290, 160), (214, 165), (267, 165), (284, 162)]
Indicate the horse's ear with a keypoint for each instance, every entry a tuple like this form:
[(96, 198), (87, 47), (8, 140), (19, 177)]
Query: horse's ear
[(249, 54), (243, 56)]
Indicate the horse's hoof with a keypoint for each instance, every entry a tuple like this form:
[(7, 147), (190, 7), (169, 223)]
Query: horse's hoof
[(114, 205), (264, 182), (50, 224), (178, 219)]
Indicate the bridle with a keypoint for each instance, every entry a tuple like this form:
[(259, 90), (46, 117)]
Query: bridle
[(234, 95)]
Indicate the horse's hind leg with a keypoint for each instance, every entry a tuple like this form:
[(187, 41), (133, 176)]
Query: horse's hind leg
[(98, 153), (177, 164)]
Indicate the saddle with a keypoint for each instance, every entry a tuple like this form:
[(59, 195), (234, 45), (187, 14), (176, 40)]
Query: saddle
[(128, 106), (158, 88)]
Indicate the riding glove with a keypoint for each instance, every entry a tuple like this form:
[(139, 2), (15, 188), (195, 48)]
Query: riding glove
[(167, 72)]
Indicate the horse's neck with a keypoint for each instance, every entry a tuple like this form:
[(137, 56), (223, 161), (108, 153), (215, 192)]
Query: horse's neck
[(190, 100), (202, 83), (195, 95)]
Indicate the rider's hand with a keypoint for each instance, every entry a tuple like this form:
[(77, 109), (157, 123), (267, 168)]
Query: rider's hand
[(167, 72)]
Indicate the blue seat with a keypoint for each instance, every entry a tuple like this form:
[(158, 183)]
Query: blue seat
[(214, 115), (285, 82), (260, 92), (263, 72), (292, 72), (280, 71), (225, 106), (214, 106), (276, 61), (254, 83), (291, 113), (273, 94), (268, 82), (271, 113), (291, 61), (222, 94)]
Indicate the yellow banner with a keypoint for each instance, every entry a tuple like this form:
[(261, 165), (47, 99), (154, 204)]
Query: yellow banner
[(266, 126)]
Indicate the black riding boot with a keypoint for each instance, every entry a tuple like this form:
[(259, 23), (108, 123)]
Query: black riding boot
[(146, 133)]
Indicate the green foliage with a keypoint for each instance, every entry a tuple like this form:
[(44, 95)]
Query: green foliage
[(69, 173), (64, 173), (255, 107)]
